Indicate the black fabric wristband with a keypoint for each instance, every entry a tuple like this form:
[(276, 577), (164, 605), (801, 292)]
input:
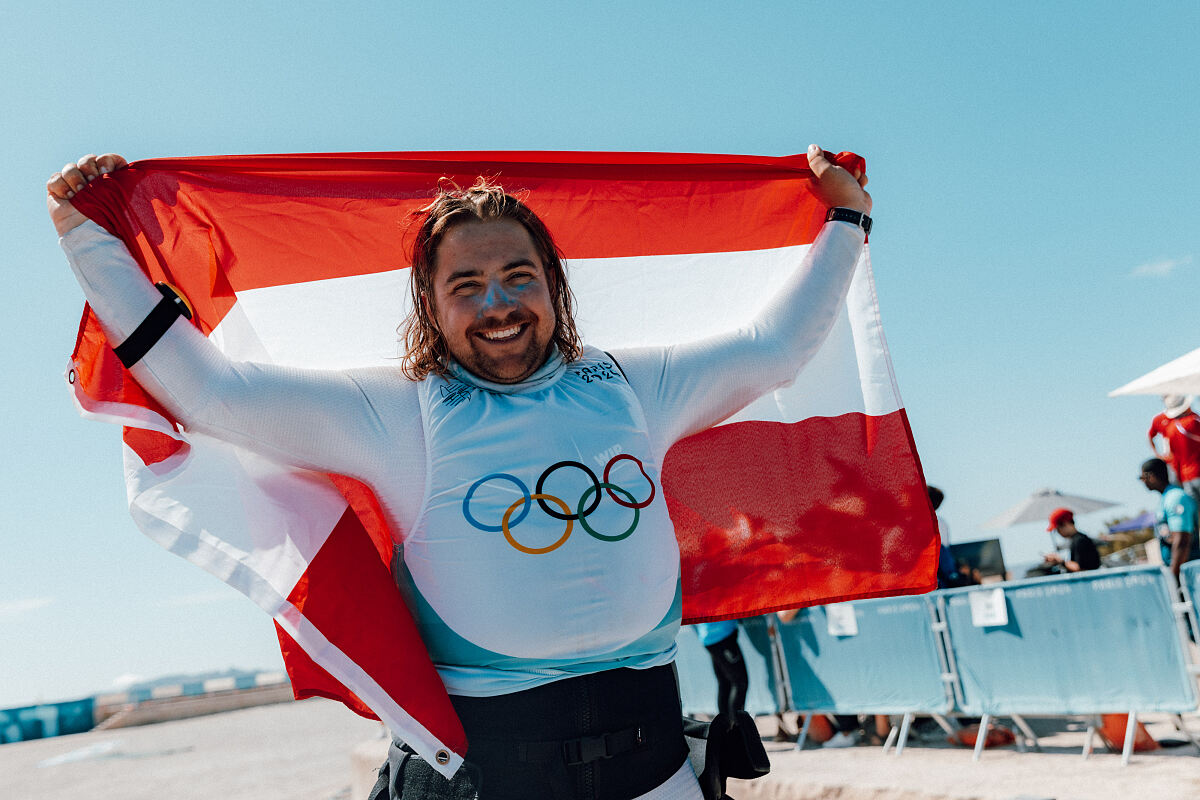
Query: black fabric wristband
[(152, 328), (839, 214)]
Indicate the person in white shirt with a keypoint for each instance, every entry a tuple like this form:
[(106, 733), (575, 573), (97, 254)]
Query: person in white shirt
[(499, 436)]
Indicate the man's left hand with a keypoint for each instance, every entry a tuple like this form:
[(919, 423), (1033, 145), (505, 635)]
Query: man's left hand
[(835, 185)]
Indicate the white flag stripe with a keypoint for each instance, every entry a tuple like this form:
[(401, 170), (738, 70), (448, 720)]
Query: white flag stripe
[(338, 322), (117, 413), (876, 376), (262, 523), (352, 321), (661, 300)]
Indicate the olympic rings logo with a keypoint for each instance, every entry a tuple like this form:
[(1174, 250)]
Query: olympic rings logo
[(588, 502)]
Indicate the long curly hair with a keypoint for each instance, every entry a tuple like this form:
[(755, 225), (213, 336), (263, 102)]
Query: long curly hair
[(425, 347)]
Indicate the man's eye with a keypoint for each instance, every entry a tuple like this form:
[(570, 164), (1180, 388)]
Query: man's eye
[(470, 287), (521, 277)]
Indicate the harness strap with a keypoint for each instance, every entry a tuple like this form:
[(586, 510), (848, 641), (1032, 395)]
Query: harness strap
[(583, 750), (601, 736)]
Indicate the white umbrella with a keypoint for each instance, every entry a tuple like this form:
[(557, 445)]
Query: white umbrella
[(1037, 508), (1181, 376)]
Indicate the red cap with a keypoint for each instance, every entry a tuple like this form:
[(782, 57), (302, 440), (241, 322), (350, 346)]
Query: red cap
[(1058, 516)]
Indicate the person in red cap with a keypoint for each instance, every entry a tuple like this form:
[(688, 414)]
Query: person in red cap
[(1083, 554), (1178, 428)]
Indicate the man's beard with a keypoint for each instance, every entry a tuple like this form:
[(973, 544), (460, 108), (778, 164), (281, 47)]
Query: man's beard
[(512, 368), (488, 368)]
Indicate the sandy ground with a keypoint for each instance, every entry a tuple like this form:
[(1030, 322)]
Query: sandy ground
[(301, 751), (935, 770), (291, 750)]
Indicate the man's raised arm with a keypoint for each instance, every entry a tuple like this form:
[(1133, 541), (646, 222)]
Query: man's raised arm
[(687, 388), (299, 416)]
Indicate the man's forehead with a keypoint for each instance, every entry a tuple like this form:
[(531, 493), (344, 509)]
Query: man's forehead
[(477, 232), (486, 244)]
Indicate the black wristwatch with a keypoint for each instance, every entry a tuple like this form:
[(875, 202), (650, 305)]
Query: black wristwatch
[(839, 214)]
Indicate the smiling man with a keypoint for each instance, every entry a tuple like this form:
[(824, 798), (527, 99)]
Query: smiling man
[(490, 295), (489, 289), (499, 437)]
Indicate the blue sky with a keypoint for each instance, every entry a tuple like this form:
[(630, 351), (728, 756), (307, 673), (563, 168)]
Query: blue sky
[(1033, 167)]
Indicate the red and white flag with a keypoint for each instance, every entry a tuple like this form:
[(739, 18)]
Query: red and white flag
[(812, 494)]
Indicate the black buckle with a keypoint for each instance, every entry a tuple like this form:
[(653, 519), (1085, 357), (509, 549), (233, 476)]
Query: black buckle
[(593, 748), (586, 749)]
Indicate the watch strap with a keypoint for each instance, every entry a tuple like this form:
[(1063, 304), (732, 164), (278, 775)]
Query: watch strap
[(858, 218)]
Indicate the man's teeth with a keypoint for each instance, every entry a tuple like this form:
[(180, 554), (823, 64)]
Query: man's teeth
[(507, 333)]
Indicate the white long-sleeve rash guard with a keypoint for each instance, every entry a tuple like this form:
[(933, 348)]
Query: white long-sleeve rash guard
[(375, 425)]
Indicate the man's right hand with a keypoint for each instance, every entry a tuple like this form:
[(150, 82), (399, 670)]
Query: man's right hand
[(63, 185)]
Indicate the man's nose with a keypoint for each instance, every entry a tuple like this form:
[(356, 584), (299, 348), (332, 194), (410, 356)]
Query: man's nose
[(497, 297)]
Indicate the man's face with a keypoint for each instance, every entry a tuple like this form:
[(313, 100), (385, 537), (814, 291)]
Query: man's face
[(1151, 482), (492, 301)]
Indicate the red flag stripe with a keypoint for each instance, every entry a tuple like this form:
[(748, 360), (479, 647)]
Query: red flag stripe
[(609, 208), (373, 628), (859, 526)]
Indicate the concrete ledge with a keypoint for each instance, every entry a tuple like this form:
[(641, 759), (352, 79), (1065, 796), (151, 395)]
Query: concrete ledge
[(170, 708)]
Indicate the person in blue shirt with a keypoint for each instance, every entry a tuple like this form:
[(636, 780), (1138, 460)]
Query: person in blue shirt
[(1176, 516), (720, 639)]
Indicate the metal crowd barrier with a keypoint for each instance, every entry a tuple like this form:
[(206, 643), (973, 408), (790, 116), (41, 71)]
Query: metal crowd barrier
[(1109, 641), (1085, 644), (1189, 577), (868, 656)]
